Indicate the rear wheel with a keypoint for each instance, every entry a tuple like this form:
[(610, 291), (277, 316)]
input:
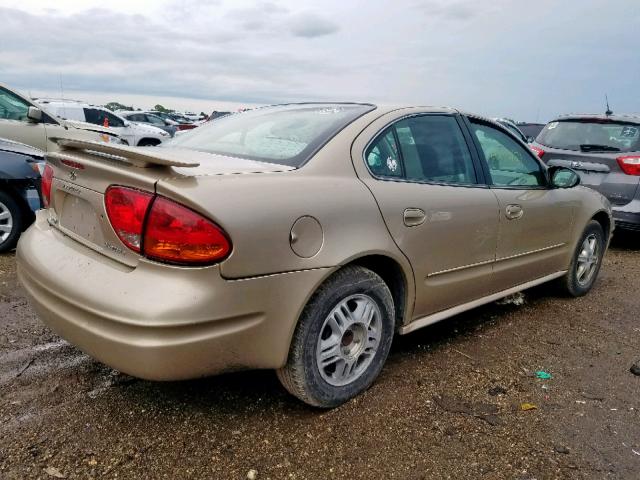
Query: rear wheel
[(342, 339), (586, 262), (148, 142), (11, 221)]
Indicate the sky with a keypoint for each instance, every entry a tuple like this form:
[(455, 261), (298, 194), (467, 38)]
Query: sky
[(524, 60)]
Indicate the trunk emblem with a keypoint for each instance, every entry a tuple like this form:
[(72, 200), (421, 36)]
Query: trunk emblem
[(72, 175)]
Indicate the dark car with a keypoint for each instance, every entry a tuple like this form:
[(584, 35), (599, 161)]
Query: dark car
[(605, 151), (531, 130), (513, 128), (150, 119), (20, 170)]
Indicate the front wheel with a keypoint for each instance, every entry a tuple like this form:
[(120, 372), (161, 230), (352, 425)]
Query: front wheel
[(342, 339), (586, 261)]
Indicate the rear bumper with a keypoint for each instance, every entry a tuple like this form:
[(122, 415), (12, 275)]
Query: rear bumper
[(156, 321), (627, 217)]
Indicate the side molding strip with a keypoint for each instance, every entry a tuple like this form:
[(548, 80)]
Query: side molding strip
[(450, 312)]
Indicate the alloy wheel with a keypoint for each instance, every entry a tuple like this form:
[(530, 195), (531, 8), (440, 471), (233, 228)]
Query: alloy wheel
[(349, 339), (6, 222), (588, 259)]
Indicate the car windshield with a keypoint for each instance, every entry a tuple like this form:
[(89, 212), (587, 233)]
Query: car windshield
[(287, 135), (591, 135)]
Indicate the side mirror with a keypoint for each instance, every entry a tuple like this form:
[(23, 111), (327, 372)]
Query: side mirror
[(34, 114), (562, 177)]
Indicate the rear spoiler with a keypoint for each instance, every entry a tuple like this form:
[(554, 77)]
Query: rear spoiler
[(142, 157)]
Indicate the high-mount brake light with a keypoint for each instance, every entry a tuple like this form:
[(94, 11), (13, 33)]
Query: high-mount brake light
[(164, 230)]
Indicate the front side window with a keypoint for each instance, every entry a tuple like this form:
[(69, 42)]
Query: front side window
[(12, 107), (431, 149), (510, 165)]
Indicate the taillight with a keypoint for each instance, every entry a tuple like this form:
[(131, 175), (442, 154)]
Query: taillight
[(176, 234), (630, 165), (45, 185), (164, 230), (538, 151), (126, 209)]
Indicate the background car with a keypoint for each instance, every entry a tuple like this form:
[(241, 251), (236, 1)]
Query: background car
[(605, 151), (531, 130), (514, 129), (21, 120), (216, 115), (150, 119), (131, 133), (180, 122), (300, 238), (20, 170)]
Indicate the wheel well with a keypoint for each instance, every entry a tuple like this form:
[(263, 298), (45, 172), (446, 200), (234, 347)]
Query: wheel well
[(603, 219), (149, 141), (391, 272)]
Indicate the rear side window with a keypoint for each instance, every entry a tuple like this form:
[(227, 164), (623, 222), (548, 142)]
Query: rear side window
[(426, 148), (102, 118), (287, 135), (591, 135)]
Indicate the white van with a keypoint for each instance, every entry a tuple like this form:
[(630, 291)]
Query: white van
[(131, 133)]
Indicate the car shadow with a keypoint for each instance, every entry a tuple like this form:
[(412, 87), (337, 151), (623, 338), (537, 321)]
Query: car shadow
[(246, 391), (625, 240)]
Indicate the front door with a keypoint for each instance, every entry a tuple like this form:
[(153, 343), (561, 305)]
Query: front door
[(14, 124), (431, 195), (535, 221)]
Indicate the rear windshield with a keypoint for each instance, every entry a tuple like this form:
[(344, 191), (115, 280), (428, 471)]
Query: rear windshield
[(590, 135), (287, 135)]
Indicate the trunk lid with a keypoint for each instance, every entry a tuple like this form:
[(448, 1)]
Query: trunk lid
[(84, 170)]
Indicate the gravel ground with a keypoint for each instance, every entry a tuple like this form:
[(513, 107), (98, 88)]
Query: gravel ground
[(447, 405)]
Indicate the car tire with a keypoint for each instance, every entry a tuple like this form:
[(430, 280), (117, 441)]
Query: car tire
[(148, 142), (342, 339), (586, 261), (11, 222)]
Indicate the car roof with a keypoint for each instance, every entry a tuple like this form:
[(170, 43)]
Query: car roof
[(622, 117)]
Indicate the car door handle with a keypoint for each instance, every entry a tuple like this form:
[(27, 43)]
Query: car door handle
[(413, 217), (513, 211)]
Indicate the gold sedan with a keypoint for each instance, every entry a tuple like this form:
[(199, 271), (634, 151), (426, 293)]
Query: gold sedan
[(299, 238)]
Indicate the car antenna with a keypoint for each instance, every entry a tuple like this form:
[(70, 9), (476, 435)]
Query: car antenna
[(609, 112)]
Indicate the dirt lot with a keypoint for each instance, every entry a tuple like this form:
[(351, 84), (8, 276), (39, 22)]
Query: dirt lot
[(447, 405)]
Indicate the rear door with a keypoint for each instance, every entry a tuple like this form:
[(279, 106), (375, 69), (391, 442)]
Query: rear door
[(435, 204), (592, 147), (535, 221)]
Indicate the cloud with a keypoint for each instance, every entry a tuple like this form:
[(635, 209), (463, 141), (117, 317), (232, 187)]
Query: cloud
[(311, 25), (500, 58)]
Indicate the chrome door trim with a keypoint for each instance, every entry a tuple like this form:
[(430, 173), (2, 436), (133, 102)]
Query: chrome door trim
[(436, 317), (531, 252)]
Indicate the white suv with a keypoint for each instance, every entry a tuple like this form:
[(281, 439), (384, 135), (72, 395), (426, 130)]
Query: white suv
[(132, 133)]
